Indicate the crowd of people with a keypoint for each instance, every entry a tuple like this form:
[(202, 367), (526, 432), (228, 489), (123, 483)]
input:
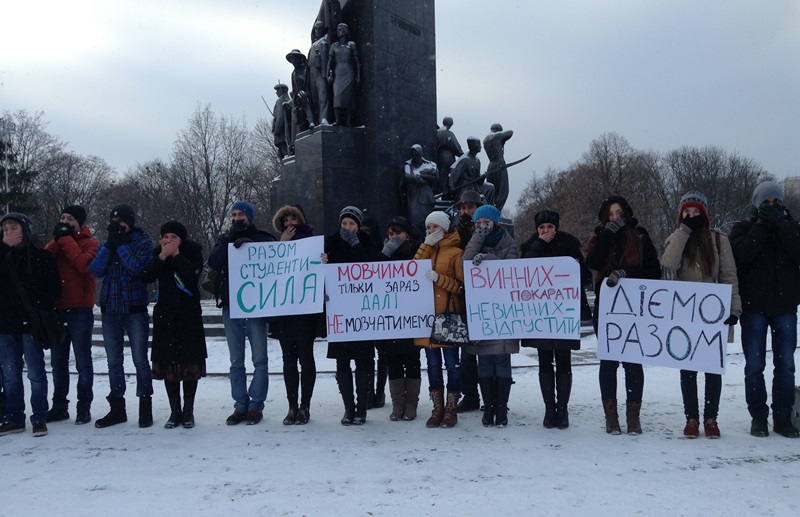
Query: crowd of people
[(760, 259)]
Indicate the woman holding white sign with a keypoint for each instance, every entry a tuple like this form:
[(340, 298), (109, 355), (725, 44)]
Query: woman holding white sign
[(548, 241), (402, 357), (296, 333), (351, 244), (620, 248), (695, 252), (492, 242), (442, 248)]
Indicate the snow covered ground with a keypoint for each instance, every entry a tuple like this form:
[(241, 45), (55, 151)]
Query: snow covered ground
[(402, 468)]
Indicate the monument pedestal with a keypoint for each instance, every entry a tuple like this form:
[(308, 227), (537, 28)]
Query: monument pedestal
[(336, 166)]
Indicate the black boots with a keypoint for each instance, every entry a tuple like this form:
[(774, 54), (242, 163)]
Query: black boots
[(487, 392), (502, 391), (547, 384), (345, 382), (116, 415), (145, 411), (188, 412), (363, 381), (175, 415), (564, 388)]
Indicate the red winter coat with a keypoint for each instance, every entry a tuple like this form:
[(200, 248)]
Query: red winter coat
[(73, 255)]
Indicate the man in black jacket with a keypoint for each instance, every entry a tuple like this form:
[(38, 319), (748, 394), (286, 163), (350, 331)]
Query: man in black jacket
[(767, 252), (248, 403)]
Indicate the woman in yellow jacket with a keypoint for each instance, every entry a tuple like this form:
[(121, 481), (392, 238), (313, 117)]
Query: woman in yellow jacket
[(441, 246)]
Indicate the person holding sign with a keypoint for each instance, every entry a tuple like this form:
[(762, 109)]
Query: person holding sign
[(695, 252), (442, 248), (248, 404), (296, 333), (767, 252), (351, 244), (620, 248), (548, 241), (179, 340), (402, 357), (492, 242)]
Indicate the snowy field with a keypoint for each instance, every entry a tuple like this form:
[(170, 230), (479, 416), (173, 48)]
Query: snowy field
[(402, 468)]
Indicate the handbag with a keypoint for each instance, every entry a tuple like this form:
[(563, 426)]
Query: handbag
[(46, 328), (449, 328)]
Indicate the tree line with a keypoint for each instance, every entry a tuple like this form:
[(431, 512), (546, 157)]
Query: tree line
[(652, 182), (215, 160)]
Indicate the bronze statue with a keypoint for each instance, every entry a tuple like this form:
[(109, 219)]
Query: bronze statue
[(344, 72), (318, 70), (418, 175), (465, 173), (281, 128), (447, 150), (497, 171), (302, 115)]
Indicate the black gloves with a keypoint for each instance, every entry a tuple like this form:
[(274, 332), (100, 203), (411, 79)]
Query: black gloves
[(732, 320), (694, 223), (62, 230), (116, 236), (771, 215), (238, 229), (465, 221), (241, 240), (613, 278)]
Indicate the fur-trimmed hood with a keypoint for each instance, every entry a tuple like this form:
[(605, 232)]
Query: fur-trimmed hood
[(283, 212)]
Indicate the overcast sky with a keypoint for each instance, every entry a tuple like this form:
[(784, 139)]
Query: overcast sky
[(118, 79)]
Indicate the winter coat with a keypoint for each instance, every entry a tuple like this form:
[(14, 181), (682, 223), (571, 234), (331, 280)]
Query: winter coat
[(178, 334), (38, 273), (446, 256), (767, 262), (340, 252), (505, 249), (218, 259), (121, 269), (399, 346), (74, 254), (563, 245), (298, 328), (688, 270), (608, 252)]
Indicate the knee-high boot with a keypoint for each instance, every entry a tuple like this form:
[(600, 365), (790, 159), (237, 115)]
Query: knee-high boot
[(397, 391), (487, 392), (412, 398), (345, 382), (564, 388), (547, 383), (503, 390)]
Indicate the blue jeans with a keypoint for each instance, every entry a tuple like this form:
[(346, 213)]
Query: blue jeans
[(494, 365), (80, 322), (783, 328), (256, 329), (138, 329), (451, 362), (12, 349)]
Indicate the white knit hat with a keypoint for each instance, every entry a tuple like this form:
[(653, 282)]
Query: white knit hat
[(439, 218)]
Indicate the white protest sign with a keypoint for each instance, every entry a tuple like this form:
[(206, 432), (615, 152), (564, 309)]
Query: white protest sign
[(276, 278), (378, 300), (665, 323), (523, 298)]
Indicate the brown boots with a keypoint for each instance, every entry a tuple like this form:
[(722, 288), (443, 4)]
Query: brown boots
[(451, 409), (612, 418), (632, 410), (405, 397), (412, 398), (437, 397)]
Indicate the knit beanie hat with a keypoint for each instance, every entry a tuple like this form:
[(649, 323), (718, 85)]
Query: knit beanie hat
[(438, 218), (400, 223), (353, 213), (767, 190), (176, 228), (487, 212), (694, 200), (124, 213), (246, 208), (77, 212), (547, 216), (610, 200), (22, 219)]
